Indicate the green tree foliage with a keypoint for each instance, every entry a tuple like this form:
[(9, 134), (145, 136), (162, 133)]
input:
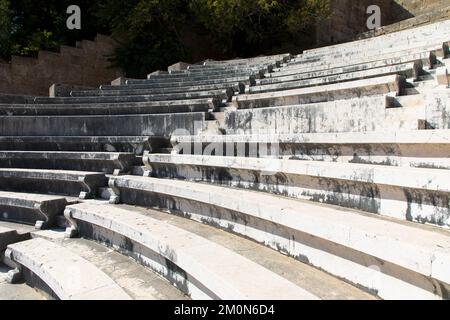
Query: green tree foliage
[(243, 28), (151, 33), (5, 29), (41, 25), (147, 30)]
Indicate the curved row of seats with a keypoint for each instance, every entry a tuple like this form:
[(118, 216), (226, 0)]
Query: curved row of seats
[(337, 158), (200, 261), (51, 158)]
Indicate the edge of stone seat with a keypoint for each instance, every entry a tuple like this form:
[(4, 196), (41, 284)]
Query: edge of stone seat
[(222, 271), (419, 250), (70, 276), (395, 80), (382, 137), (404, 177)]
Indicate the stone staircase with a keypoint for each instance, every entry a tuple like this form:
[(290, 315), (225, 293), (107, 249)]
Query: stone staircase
[(318, 176)]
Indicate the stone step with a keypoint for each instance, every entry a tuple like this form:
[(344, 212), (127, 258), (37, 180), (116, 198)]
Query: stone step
[(107, 162), (67, 275), (160, 125), (410, 258), (35, 209), (94, 108), (161, 88), (230, 69), (129, 144), (231, 66), (156, 85), (413, 194), (205, 97), (125, 91), (197, 79), (405, 37), (346, 90), (416, 149), (219, 116), (16, 292), (391, 57), (197, 75), (349, 115), (409, 70), (197, 266), (439, 46), (136, 280), (427, 59), (212, 69), (244, 61), (73, 183), (312, 280), (9, 235), (443, 76), (213, 127)]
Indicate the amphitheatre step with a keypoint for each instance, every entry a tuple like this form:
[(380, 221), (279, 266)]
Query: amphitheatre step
[(408, 70), (229, 68), (349, 115), (426, 56), (97, 108), (438, 46), (155, 85), (234, 66), (235, 85), (35, 209), (249, 69), (72, 183), (417, 149), (413, 194), (130, 144), (67, 275), (401, 38), (351, 89), (417, 111), (276, 57), (201, 68), (406, 37), (13, 292), (199, 267), (408, 257), (9, 235), (315, 281), (168, 79), (181, 98), (206, 75), (106, 162), (17, 292), (125, 91), (161, 125), (443, 76), (137, 281)]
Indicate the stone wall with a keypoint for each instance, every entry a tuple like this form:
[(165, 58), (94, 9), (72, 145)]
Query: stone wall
[(418, 7), (349, 16), (425, 15), (84, 65)]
